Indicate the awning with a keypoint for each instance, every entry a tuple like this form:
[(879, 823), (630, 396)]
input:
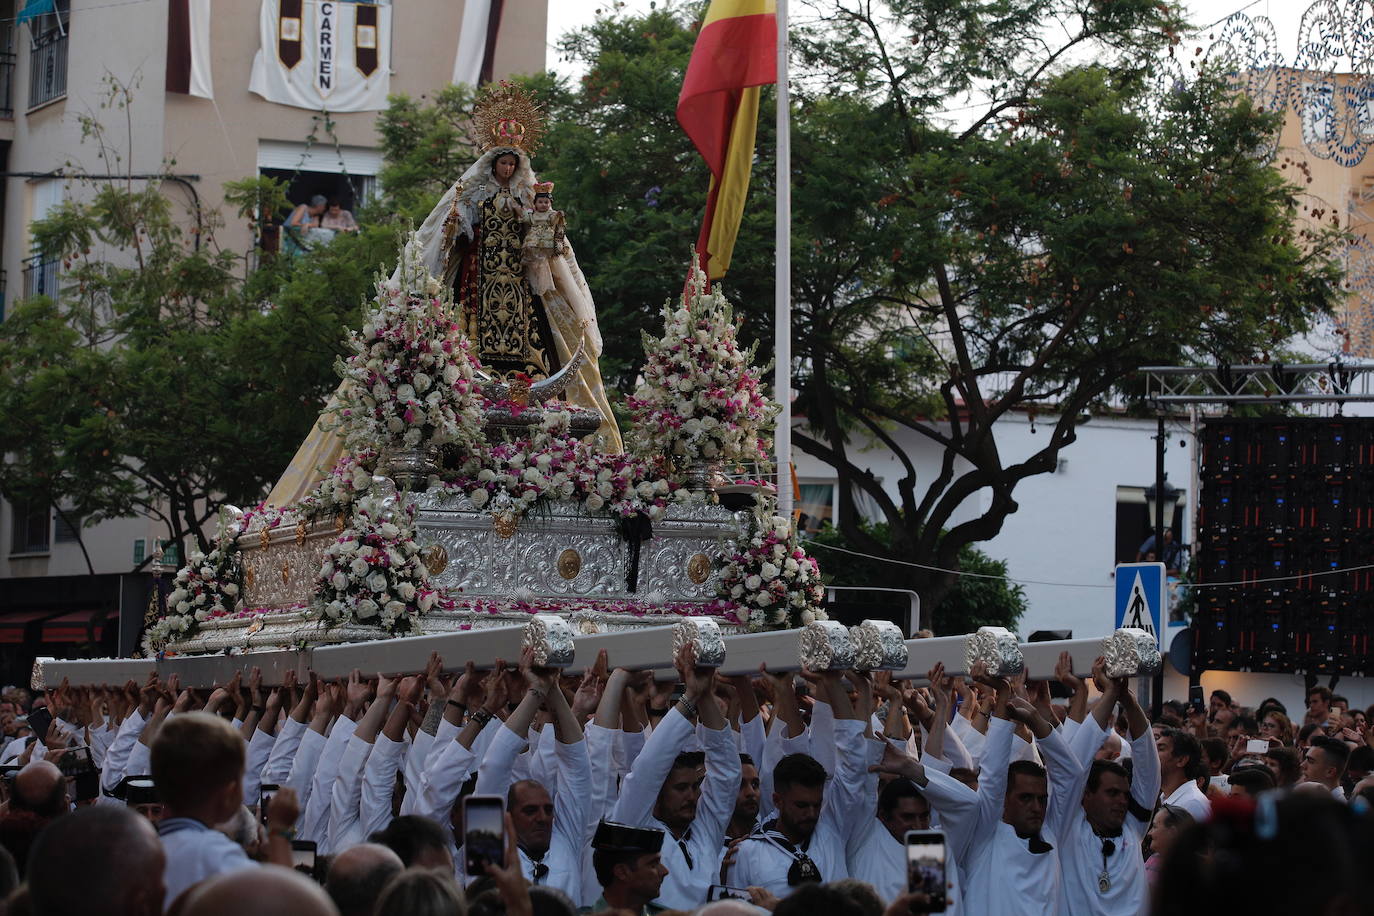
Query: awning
[(72, 627), (12, 625), (35, 8)]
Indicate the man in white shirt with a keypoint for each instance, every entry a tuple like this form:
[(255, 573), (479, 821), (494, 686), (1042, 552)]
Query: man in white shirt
[(197, 763), (1324, 764), (1012, 862), (805, 842), (1100, 851), (551, 832), (1180, 758), (669, 790)]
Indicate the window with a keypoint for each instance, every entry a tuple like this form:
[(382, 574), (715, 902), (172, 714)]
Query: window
[(7, 58), (48, 53), (66, 527), (40, 275), (32, 528), (140, 550), (343, 173)]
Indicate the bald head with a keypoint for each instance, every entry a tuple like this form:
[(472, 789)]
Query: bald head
[(100, 860), (728, 908), (41, 788), (357, 876), (267, 891)]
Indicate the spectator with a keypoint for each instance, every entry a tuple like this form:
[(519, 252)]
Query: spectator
[(38, 797), (1275, 726), (421, 892), (418, 841), (266, 891), (1285, 765), (1251, 781), (1218, 701), (628, 867), (197, 762), (1180, 761), (1318, 705), (357, 876), (100, 861), (337, 218), (1324, 764), (1169, 821), (302, 228)]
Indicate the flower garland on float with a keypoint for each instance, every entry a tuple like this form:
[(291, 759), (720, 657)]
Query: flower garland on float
[(210, 585), (771, 576), (700, 399)]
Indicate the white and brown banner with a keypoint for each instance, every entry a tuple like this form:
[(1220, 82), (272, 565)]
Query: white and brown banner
[(324, 54), (477, 42), (188, 48)]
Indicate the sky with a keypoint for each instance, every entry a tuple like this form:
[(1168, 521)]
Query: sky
[(1286, 15)]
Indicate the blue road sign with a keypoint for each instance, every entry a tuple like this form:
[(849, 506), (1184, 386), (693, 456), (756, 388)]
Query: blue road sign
[(1140, 596)]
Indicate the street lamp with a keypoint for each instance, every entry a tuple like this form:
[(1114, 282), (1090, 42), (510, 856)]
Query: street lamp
[(1168, 495)]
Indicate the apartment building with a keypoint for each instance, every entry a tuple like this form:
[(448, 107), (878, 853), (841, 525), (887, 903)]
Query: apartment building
[(216, 90)]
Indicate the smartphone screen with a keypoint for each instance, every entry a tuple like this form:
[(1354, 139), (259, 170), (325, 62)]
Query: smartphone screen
[(484, 832), (1256, 746), (1195, 698), (925, 866), (40, 720), (722, 892), (268, 790), (303, 857)]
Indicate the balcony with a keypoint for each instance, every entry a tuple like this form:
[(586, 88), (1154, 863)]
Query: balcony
[(7, 60), (47, 69), (40, 278)]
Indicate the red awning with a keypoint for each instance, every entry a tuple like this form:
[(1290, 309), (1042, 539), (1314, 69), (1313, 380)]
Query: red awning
[(72, 627), (12, 625)]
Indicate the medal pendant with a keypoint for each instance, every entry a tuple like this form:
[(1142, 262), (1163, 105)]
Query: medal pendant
[(1104, 883)]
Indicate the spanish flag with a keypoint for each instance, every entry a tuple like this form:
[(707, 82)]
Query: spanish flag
[(735, 54)]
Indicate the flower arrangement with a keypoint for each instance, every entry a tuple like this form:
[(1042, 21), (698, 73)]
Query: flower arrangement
[(208, 586), (772, 576), (700, 399), (410, 379), (348, 481), (372, 573), (512, 477)]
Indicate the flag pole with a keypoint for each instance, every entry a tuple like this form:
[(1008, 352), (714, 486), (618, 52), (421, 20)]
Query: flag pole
[(782, 303)]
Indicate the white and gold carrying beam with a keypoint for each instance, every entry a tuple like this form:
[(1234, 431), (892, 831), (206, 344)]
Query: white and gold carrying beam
[(820, 645)]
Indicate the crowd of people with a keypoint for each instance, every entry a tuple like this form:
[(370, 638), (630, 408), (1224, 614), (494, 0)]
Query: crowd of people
[(788, 793)]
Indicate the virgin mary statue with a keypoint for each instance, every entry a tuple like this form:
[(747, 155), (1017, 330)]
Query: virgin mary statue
[(519, 315)]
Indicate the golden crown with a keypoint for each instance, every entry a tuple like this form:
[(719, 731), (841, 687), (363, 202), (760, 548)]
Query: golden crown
[(507, 116), (544, 187)]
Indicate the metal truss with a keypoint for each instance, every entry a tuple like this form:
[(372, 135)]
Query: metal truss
[(1307, 383)]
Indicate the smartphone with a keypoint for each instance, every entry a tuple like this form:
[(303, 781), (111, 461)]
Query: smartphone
[(484, 832), (925, 866), (1256, 746), (75, 761), (40, 720), (722, 892), (303, 857), (1195, 698), (264, 798)]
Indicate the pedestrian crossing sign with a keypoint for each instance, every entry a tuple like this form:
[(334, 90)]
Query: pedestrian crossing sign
[(1140, 597)]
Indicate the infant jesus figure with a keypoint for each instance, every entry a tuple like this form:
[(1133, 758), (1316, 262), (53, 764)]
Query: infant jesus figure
[(544, 238)]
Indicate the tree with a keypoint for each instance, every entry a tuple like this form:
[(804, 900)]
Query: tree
[(982, 597), (1081, 220)]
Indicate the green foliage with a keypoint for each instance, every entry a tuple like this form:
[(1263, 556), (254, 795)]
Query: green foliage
[(981, 597)]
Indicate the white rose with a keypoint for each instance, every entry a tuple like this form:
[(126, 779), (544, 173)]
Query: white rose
[(367, 608), (791, 567), (377, 582), (358, 567), (768, 571), (594, 502), (339, 581), (347, 548), (388, 530), (407, 591), (479, 498), (231, 589), (752, 583), (395, 608)]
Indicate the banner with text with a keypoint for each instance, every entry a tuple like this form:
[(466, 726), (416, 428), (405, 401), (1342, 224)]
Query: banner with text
[(324, 54)]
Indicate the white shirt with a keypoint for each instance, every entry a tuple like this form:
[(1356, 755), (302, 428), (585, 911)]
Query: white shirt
[(764, 861), (685, 886), (288, 739), (346, 793), (572, 829), (379, 784), (314, 824), (1080, 851), (259, 750), (1190, 798), (1002, 875), (196, 852)]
